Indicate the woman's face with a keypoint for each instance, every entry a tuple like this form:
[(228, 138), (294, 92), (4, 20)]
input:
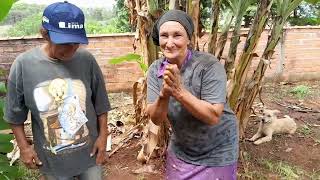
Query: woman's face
[(174, 41)]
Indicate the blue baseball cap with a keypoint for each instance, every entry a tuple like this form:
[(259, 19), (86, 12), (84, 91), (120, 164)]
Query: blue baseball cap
[(65, 23)]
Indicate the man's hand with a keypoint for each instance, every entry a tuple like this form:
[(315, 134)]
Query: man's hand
[(99, 148), (29, 157)]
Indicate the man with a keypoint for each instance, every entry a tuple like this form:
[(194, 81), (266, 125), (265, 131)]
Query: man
[(63, 88)]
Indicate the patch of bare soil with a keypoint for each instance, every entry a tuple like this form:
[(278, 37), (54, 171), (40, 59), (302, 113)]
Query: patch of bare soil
[(124, 165), (285, 157), (288, 157)]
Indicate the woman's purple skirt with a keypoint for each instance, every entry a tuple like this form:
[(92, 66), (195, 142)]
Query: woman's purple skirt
[(177, 169)]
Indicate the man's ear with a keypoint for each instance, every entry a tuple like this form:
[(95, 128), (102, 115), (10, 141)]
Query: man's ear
[(44, 33)]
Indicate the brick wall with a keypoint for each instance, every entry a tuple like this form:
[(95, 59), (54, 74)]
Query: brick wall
[(300, 54)]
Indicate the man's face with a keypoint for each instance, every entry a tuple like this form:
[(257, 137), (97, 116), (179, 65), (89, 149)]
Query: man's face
[(62, 51)]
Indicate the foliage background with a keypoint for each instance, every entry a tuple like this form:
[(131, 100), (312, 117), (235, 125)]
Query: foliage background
[(25, 19)]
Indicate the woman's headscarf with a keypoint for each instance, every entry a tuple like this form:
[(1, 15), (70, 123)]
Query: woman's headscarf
[(173, 15)]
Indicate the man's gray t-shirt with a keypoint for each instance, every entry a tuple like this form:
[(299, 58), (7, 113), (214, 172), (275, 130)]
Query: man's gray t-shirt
[(64, 98), (194, 141)]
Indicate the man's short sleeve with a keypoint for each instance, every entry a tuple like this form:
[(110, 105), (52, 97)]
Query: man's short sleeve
[(214, 82), (153, 88), (99, 96), (15, 109)]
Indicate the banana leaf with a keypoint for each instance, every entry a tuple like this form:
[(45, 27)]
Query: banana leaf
[(9, 172), (128, 58), (5, 145), (5, 6)]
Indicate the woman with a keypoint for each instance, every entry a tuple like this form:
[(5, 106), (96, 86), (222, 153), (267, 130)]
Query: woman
[(189, 88)]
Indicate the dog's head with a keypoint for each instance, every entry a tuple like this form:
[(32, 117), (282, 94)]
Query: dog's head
[(268, 115)]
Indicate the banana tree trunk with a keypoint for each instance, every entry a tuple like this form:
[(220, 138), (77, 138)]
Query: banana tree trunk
[(214, 27), (235, 40), (247, 55), (173, 4), (193, 9), (253, 86), (147, 11), (144, 28), (223, 39)]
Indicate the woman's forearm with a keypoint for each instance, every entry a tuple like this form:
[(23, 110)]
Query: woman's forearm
[(158, 110), (202, 110)]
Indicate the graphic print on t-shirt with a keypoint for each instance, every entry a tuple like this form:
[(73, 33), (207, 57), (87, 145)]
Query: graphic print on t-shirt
[(61, 105)]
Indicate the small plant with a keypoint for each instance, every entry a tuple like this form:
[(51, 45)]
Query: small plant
[(283, 169), (7, 172), (287, 171), (305, 130), (300, 91), (28, 174), (314, 175), (141, 177)]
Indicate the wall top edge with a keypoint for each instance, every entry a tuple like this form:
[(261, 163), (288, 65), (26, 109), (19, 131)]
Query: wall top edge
[(132, 34)]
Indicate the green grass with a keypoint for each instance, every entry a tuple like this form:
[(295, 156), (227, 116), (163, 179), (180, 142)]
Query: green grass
[(141, 177), (256, 175), (28, 174), (315, 175), (287, 171), (282, 169), (305, 130), (301, 91)]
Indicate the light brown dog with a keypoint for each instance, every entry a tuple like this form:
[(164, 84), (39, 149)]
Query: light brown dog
[(270, 125)]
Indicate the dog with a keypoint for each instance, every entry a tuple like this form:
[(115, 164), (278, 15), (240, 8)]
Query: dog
[(270, 125)]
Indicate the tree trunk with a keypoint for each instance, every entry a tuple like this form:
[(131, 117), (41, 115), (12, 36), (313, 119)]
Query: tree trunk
[(282, 58), (194, 11), (235, 40), (239, 9), (144, 27), (214, 27), (253, 86), (223, 38), (236, 83), (173, 4)]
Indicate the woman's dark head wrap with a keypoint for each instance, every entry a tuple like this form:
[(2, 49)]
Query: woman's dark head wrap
[(173, 15)]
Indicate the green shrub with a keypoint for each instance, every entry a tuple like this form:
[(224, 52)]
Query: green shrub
[(28, 26), (304, 21)]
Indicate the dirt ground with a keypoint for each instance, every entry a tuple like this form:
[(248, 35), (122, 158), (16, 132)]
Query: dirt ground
[(285, 157)]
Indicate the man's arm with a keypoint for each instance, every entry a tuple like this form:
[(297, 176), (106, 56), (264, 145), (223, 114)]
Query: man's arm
[(101, 142), (103, 125), (27, 154)]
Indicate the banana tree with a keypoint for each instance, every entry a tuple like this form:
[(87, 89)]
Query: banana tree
[(144, 13), (193, 9), (260, 21), (239, 8), (215, 7), (250, 90), (228, 16), (5, 6)]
